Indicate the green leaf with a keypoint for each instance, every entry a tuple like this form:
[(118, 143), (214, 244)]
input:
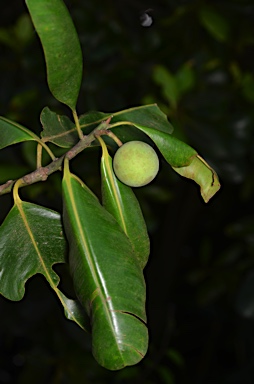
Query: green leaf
[(199, 171), (168, 82), (215, 24), (176, 152), (62, 131), (124, 121), (61, 48), (185, 161), (58, 129), (185, 78), (31, 242), (107, 277), (121, 202), (13, 133), (148, 115), (74, 311)]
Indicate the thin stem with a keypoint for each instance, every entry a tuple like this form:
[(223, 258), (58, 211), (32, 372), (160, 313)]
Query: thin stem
[(119, 123), (39, 155), (111, 135), (47, 149), (76, 119), (15, 190)]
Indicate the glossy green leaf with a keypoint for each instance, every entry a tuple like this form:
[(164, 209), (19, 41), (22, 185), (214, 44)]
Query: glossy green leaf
[(185, 161), (61, 48), (148, 115), (215, 24), (107, 277), (31, 242), (61, 131), (13, 133), (121, 202), (58, 129)]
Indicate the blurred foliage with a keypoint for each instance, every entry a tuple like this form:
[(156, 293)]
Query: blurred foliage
[(196, 62)]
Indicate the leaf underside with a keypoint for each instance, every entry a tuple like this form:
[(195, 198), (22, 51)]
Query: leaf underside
[(31, 242)]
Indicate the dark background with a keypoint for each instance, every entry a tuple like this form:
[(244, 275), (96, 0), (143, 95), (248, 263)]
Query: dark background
[(200, 277)]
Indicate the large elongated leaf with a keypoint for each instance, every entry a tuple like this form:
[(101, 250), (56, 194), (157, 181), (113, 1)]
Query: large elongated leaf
[(121, 202), (107, 277), (185, 161), (13, 133), (61, 48), (31, 242)]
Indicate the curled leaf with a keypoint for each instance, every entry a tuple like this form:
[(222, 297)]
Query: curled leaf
[(185, 161)]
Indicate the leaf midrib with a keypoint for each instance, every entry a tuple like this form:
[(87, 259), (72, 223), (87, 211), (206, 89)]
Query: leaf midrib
[(90, 259)]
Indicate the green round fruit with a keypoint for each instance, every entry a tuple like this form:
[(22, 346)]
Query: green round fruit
[(136, 163)]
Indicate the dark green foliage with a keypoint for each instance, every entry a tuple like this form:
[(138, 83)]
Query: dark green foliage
[(196, 63)]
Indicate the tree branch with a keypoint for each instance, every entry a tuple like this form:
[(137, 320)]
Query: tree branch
[(42, 173)]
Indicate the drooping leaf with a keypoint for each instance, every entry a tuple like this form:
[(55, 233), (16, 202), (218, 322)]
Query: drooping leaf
[(58, 129), (31, 242), (121, 202), (176, 152), (185, 161), (61, 48), (13, 133), (73, 310), (107, 277), (199, 171)]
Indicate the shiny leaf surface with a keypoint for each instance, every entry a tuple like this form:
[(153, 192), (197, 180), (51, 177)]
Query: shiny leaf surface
[(31, 242), (121, 202), (13, 133), (107, 277), (61, 131), (61, 48)]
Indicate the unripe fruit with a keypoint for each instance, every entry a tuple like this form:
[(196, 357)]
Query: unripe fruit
[(136, 163)]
